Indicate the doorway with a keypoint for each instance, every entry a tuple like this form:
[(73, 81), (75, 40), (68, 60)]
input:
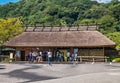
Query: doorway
[(22, 55)]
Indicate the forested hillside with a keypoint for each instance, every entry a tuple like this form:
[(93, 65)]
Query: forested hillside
[(66, 12), (50, 11)]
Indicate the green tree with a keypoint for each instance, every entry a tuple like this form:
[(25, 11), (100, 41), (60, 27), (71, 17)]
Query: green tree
[(114, 37), (86, 21), (96, 12), (107, 24), (9, 28), (115, 11), (114, 2)]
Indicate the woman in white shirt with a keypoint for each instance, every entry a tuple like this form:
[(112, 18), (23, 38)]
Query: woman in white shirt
[(49, 58)]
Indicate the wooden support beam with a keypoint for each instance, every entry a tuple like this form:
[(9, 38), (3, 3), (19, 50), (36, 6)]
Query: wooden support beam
[(69, 26), (96, 26), (26, 27), (34, 27), (43, 27), (60, 27), (80, 59), (87, 26), (77, 27), (51, 27)]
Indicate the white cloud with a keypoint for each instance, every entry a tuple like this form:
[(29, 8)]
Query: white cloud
[(103, 1)]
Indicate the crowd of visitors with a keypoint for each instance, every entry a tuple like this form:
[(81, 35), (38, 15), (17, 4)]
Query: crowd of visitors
[(39, 56)]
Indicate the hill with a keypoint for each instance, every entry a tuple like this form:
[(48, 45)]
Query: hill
[(47, 11), (65, 12)]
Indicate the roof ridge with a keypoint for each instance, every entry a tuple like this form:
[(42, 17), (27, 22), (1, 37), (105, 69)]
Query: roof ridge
[(61, 28)]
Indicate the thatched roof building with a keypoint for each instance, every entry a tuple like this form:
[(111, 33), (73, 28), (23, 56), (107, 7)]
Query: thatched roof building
[(60, 39), (88, 40)]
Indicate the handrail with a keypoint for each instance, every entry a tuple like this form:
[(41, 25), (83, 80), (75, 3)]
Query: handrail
[(60, 28)]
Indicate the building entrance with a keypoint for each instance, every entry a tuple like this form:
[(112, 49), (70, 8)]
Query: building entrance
[(22, 55)]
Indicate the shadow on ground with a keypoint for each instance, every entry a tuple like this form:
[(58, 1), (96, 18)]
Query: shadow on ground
[(2, 67), (114, 66), (27, 75)]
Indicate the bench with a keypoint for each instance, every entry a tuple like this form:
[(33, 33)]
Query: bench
[(92, 58)]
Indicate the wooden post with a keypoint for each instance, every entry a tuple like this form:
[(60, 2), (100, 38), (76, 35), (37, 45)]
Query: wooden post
[(69, 26), (87, 26), (89, 53), (104, 54), (103, 51), (51, 27), (60, 27), (80, 59), (93, 58), (43, 27), (35, 27), (26, 27), (77, 27), (105, 59), (96, 26)]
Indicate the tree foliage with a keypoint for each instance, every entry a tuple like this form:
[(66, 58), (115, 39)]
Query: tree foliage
[(47, 11), (107, 23), (9, 28), (115, 11), (64, 12)]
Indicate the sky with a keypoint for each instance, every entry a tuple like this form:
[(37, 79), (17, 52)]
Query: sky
[(7, 1), (103, 1)]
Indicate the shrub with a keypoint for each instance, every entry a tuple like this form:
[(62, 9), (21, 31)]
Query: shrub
[(6, 59), (111, 58), (116, 60)]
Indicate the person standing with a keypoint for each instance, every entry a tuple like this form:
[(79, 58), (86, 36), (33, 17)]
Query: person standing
[(57, 56), (49, 58), (30, 58), (34, 54), (75, 58), (40, 56), (62, 56), (68, 56)]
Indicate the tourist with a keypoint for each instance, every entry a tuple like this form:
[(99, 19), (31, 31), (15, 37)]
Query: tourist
[(75, 58), (39, 58), (49, 58), (62, 56), (30, 58), (68, 56), (72, 57), (57, 56), (34, 54)]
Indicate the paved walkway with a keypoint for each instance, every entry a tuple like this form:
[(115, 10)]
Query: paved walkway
[(60, 73)]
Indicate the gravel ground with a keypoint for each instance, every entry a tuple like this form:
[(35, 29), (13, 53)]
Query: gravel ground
[(60, 73)]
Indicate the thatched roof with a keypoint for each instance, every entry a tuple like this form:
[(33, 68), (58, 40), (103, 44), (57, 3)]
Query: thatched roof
[(60, 39)]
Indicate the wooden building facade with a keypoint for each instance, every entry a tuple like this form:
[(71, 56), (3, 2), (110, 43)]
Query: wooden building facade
[(87, 40)]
